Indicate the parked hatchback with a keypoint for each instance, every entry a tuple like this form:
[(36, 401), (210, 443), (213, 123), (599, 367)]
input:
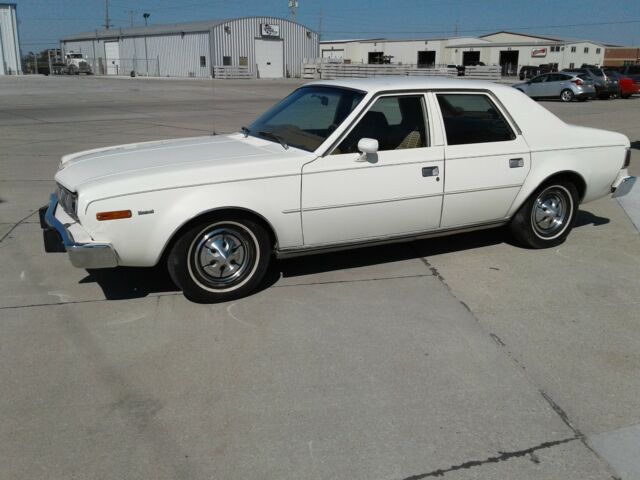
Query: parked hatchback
[(605, 88), (566, 86)]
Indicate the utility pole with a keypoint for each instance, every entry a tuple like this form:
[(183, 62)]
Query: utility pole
[(107, 21), (146, 54), (131, 12), (293, 7), (320, 25)]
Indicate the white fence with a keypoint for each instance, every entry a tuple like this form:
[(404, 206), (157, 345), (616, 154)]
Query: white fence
[(332, 70), (232, 73)]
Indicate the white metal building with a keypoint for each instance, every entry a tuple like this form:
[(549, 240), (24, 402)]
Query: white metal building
[(508, 49), (10, 59), (266, 47)]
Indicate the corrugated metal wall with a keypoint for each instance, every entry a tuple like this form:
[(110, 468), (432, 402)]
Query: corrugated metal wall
[(239, 41), (177, 55), (10, 61)]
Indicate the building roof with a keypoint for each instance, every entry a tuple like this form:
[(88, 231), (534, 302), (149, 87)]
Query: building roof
[(161, 29), (354, 40), (391, 40), (520, 34)]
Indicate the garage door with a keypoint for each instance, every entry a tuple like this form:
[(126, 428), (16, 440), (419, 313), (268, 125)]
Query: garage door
[(112, 54), (270, 58)]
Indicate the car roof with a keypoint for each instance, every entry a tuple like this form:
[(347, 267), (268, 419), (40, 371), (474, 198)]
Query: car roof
[(381, 84)]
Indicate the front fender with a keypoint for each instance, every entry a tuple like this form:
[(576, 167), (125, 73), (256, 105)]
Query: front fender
[(158, 215)]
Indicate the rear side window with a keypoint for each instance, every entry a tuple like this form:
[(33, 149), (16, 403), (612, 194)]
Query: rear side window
[(584, 76), (472, 118)]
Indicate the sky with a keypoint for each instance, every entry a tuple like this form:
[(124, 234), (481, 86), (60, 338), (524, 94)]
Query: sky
[(43, 22)]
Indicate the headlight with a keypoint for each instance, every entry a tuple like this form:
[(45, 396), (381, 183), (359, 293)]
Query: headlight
[(68, 200)]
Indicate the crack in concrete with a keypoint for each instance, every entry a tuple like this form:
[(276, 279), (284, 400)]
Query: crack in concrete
[(17, 224), (502, 457), (331, 282), (578, 435)]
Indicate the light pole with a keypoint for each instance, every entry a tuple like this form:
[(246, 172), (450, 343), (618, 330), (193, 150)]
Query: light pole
[(146, 55)]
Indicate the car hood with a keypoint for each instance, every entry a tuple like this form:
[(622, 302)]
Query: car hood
[(140, 167)]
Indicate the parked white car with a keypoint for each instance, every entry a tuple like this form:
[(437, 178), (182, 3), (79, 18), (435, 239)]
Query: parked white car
[(336, 164)]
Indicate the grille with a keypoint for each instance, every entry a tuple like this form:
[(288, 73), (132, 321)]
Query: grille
[(68, 201)]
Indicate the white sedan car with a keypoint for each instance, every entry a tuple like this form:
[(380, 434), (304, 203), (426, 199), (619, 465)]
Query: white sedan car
[(336, 164)]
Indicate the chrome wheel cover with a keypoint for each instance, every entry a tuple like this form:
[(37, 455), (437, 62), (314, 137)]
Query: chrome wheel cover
[(551, 212), (220, 256)]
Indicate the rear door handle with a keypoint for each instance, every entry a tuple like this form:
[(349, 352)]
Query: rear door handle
[(516, 163), (430, 171)]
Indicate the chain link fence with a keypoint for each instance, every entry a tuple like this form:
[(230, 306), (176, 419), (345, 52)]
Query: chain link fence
[(128, 67)]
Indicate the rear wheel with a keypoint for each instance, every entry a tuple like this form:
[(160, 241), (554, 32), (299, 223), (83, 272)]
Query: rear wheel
[(547, 217), (220, 259), (567, 95)]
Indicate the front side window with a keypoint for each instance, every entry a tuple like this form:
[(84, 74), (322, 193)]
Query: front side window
[(539, 79), (307, 117), (472, 118), (397, 122)]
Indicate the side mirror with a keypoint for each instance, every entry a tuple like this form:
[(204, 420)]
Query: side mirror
[(369, 149), (368, 145)]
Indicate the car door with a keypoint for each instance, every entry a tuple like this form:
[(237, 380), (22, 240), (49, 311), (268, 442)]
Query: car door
[(561, 81), (486, 159), (536, 86), (348, 196), (551, 86)]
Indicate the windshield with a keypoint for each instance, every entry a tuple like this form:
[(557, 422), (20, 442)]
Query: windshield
[(306, 117)]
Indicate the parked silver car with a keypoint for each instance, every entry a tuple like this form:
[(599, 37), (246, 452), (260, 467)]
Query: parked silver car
[(566, 86)]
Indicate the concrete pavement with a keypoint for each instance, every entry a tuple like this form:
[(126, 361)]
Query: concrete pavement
[(461, 357)]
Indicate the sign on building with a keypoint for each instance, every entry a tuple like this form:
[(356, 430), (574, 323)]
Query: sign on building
[(269, 30), (538, 52)]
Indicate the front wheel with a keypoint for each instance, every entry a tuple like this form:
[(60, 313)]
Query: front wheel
[(566, 95), (547, 217), (220, 259)]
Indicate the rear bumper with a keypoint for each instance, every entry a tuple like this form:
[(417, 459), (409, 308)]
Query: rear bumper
[(58, 238), (622, 185)]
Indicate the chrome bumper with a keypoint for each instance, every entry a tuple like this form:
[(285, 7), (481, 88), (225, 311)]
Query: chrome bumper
[(623, 186), (57, 238)]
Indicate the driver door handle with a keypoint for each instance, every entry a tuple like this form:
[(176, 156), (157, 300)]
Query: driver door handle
[(430, 171)]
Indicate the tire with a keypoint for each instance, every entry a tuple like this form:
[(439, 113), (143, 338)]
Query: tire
[(220, 259), (625, 95), (567, 95), (547, 217)]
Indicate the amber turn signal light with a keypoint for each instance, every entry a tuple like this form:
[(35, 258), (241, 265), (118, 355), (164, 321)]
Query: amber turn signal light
[(118, 214)]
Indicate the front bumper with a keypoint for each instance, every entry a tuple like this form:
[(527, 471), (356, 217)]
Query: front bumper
[(58, 238), (622, 185)]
